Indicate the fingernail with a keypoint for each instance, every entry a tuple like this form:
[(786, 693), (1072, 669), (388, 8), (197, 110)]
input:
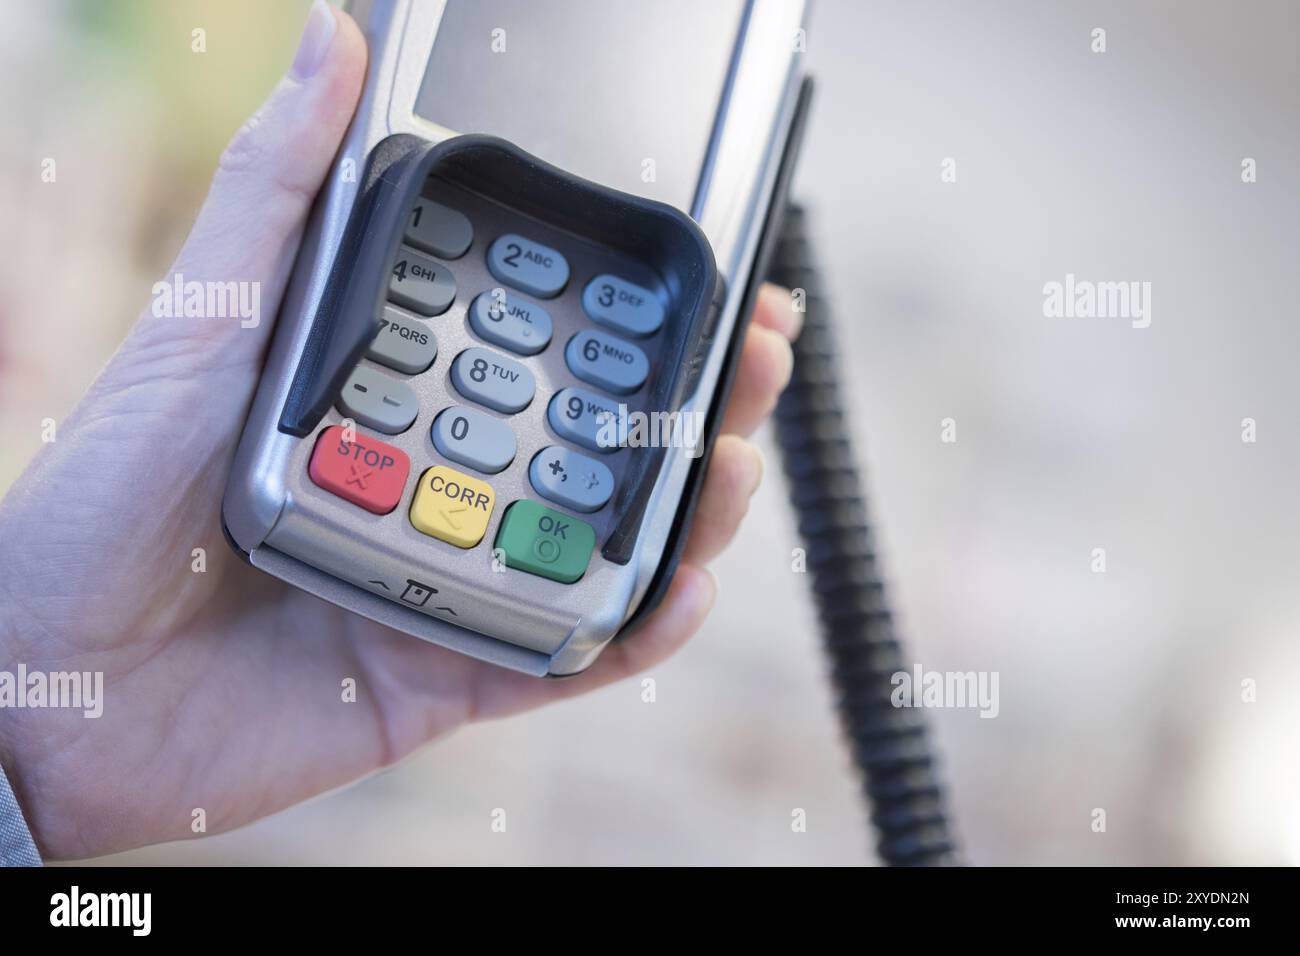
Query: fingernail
[(705, 589), (758, 472), (796, 314), (315, 42), (717, 588)]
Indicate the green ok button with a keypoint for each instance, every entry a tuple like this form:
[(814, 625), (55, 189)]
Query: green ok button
[(545, 542)]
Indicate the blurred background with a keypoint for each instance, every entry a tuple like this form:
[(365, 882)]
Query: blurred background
[(1120, 690)]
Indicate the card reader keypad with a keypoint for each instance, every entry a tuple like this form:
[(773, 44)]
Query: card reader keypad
[(452, 506), (364, 470), (622, 305), (570, 479), (607, 362), (473, 438), (379, 401), (493, 380), (404, 343), (510, 322), (435, 228), (585, 418), (421, 284), (581, 387), (527, 265)]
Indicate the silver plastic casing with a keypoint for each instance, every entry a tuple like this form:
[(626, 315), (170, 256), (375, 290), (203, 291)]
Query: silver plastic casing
[(290, 528)]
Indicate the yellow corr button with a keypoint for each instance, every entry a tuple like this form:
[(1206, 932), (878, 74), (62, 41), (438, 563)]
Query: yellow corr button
[(452, 507)]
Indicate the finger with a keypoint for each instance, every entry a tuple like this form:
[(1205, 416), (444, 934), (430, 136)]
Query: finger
[(775, 310), (248, 230), (765, 366), (690, 597), (735, 472)]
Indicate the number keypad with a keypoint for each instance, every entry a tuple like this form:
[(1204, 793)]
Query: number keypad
[(493, 380), (585, 418), (623, 306), (403, 343), (607, 362), (435, 228), (530, 397), (510, 322), (421, 284), (472, 438), (528, 265)]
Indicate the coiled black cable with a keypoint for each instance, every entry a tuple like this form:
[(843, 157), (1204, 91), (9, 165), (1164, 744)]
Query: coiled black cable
[(890, 744)]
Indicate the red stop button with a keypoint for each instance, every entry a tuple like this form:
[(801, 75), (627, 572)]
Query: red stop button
[(364, 471)]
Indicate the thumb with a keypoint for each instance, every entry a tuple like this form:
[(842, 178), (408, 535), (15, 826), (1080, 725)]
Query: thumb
[(249, 228)]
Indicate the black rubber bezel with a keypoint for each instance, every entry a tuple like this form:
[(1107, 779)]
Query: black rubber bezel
[(664, 238), (758, 275)]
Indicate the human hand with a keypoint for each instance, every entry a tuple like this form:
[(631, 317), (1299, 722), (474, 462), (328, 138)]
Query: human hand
[(223, 688)]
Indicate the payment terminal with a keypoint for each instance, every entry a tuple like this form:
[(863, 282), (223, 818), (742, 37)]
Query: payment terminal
[(501, 360)]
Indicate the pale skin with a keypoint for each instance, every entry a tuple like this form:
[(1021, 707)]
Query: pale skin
[(222, 689)]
